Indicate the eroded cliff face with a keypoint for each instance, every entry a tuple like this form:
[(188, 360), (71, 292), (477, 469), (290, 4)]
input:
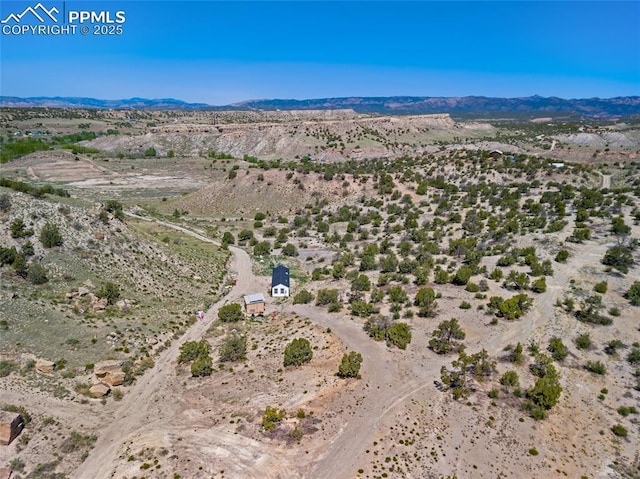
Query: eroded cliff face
[(321, 135)]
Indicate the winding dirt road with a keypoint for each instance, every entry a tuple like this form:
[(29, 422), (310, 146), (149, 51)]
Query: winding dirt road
[(145, 404)]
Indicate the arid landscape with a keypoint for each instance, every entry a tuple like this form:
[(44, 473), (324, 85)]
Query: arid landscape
[(484, 274)]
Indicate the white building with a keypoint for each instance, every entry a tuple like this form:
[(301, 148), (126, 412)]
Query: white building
[(280, 284)]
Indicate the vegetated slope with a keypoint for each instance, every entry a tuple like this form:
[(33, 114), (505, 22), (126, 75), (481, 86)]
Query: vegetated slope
[(64, 316), (272, 190)]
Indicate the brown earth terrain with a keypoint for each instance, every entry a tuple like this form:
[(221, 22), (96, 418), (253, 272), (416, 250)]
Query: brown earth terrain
[(396, 421)]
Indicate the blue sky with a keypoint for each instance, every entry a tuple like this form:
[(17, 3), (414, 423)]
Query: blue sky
[(224, 52)]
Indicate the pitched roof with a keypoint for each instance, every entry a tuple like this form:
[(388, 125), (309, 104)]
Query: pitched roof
[(254, 298), (280, 275)]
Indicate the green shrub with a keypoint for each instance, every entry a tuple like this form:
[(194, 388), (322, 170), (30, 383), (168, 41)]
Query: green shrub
[(271, 418), (445, 336), (245, 235), (634, 356), (426, 301), (619, 430), (562, 256), (334, 307), (619, 257), (17, 465), (398, 334), (601, 287), (289, 250), (202, 367), (262, 248), (516, 354), (227, 238), (230, 313), (583, 341), (361, 283), (539, 285), (192, 350), (350, 365), (298, 352), (542, 366), (19, 229), (377, 327), (362, 308), (50, 236), (496, 274), (510, 378), (75, 442), (596, 367), (326, 296), (303, 297), (633, 294), (465, 305), (462, 275), (514, 307), (37, 274), (110, 291), (472, 287), (233, 348), (7, 367), (624, 411), (543, 396), (441, 277), (557, 349)]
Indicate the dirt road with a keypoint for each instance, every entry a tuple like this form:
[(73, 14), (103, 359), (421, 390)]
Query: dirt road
[(391, 380), (148, 403), (389, 383)]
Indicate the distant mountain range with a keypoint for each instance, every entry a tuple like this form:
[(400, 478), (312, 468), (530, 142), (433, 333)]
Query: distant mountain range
[(467, 105), (77, 102)]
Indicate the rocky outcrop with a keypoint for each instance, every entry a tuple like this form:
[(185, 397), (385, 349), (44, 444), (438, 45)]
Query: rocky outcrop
[(44, 366), (110, 372), (99, 390), (84, 300), (11, 424)]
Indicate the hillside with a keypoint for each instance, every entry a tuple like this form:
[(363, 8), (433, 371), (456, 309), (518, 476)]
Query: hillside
[(149, 266)]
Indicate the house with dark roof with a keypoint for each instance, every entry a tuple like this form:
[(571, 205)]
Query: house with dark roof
[(280, 284)]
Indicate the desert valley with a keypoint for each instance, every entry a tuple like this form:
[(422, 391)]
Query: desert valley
[(462, 294)]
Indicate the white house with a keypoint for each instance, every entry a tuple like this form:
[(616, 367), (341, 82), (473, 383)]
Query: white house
[(280, 285)]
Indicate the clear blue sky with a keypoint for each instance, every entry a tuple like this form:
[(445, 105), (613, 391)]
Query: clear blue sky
[(223, 52)]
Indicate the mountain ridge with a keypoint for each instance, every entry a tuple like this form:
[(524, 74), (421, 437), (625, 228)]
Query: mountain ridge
[(591, 107)]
